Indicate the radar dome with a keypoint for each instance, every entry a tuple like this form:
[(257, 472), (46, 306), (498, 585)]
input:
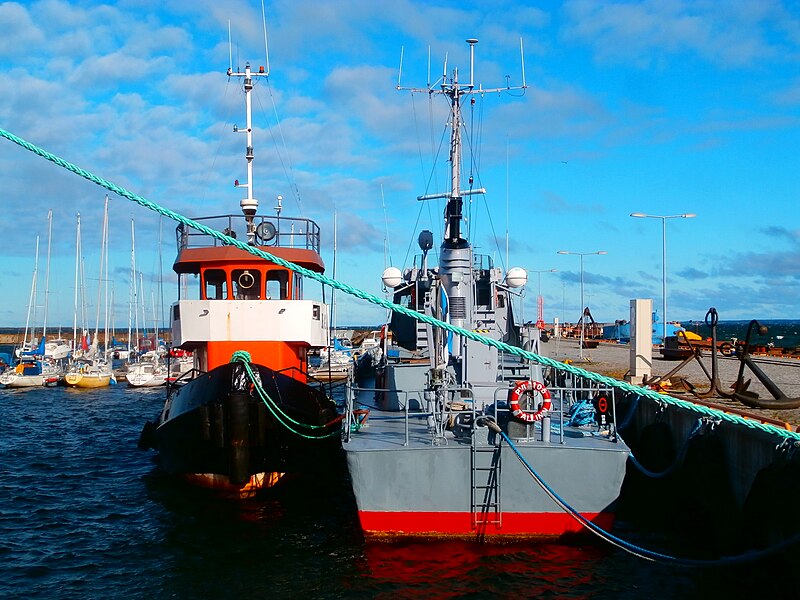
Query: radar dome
[(392, 277), (516, 277)]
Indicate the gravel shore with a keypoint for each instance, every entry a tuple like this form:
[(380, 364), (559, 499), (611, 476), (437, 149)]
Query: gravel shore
[(613, 360)]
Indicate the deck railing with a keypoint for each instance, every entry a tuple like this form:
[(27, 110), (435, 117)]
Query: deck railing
[(283, 232)]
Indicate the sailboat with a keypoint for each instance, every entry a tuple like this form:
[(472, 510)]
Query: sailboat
[(336, 360), (40, 363), (56, 350), (91, 368), (247, 414), (427, 453), (148, 369), (31, 370)]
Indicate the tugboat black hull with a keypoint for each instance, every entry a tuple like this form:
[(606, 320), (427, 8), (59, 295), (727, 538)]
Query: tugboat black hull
[(218, 427)]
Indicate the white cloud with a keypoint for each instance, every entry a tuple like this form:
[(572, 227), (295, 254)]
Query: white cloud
[(731, 34)]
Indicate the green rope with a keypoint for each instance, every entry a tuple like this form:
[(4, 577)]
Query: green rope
[(243, 357), (543, 360)]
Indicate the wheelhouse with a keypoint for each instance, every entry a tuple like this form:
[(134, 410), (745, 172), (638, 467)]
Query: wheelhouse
[(230, 299)]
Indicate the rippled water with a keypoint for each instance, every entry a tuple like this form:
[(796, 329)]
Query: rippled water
[(84, 514)]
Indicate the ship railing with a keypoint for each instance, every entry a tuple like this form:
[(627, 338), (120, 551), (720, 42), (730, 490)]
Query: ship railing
[(353, 392), (283, 232), (564, 397), (436, 416), (184, 378)]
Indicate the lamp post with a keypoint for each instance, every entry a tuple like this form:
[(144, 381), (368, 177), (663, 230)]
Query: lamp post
[(539, 300), (663, 218), (583, 321)]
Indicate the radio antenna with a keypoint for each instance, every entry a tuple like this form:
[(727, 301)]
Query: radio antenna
[(230, 47), (266, 47), (400, 72)]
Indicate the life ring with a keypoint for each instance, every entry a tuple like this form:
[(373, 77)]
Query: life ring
[(521, 388)]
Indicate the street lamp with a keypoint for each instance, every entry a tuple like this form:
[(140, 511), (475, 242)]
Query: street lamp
[(583, 321), (539, 300), (663, 258)]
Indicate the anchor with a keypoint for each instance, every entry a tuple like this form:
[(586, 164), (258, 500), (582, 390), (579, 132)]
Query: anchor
[(711, 319), (715, 388), (751, 399)]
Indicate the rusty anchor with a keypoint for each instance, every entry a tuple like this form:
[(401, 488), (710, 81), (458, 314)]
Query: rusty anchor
[(780, 400)]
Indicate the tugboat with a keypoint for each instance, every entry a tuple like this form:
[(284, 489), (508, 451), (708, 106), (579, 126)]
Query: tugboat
[(433, 448), (247, 413)]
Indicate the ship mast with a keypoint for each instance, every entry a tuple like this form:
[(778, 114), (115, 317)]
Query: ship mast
[(454, 92), (455, 256), (249, 204)]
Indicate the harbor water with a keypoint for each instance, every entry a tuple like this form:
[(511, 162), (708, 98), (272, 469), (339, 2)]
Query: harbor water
[(85, 514)]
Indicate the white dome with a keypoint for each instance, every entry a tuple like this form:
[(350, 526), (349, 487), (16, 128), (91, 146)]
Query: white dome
[(392, 277), (516, 277)]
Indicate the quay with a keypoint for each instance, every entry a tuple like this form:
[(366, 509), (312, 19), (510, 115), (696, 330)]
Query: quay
[(613, 360)]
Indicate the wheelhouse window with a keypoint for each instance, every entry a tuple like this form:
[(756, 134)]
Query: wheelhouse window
[(246, 284), (297, 293), (278, 284), (215, 284)]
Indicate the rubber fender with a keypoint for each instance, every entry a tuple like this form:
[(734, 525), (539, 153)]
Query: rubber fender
[(706, 497), (656, 448), (237, 424), (204, 422), (764, 524), (217, 420)]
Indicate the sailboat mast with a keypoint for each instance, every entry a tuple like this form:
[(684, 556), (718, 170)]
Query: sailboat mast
[(32, 298), (77, 271), (47, 270), (132, 290), (105, 279), (100, 279)]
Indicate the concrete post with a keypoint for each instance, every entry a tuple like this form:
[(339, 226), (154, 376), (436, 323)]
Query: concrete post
[(641, 340)]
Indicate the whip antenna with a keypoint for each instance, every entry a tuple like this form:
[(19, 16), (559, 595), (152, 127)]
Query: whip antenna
[(266, 47)]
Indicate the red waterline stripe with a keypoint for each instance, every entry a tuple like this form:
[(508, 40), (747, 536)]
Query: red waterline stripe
[(460, 523)]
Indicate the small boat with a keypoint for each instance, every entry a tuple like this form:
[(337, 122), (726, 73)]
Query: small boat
[(247, 414), (429, 448), (89, 372), (32, 371), (147, 373), (335, 363)]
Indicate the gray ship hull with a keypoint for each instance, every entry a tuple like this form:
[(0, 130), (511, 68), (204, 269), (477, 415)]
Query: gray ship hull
[(420, 489)]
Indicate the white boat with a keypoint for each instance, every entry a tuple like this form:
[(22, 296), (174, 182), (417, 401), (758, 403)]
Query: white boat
[(147, 373), (32, 371), (335, 363)]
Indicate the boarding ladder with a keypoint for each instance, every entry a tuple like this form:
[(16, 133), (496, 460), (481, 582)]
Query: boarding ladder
[(485, 470)]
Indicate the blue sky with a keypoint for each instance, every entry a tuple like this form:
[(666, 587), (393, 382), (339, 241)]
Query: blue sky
[(663, 107)]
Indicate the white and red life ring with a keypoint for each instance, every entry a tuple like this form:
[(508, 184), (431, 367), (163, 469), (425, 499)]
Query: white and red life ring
[(523, 387)]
